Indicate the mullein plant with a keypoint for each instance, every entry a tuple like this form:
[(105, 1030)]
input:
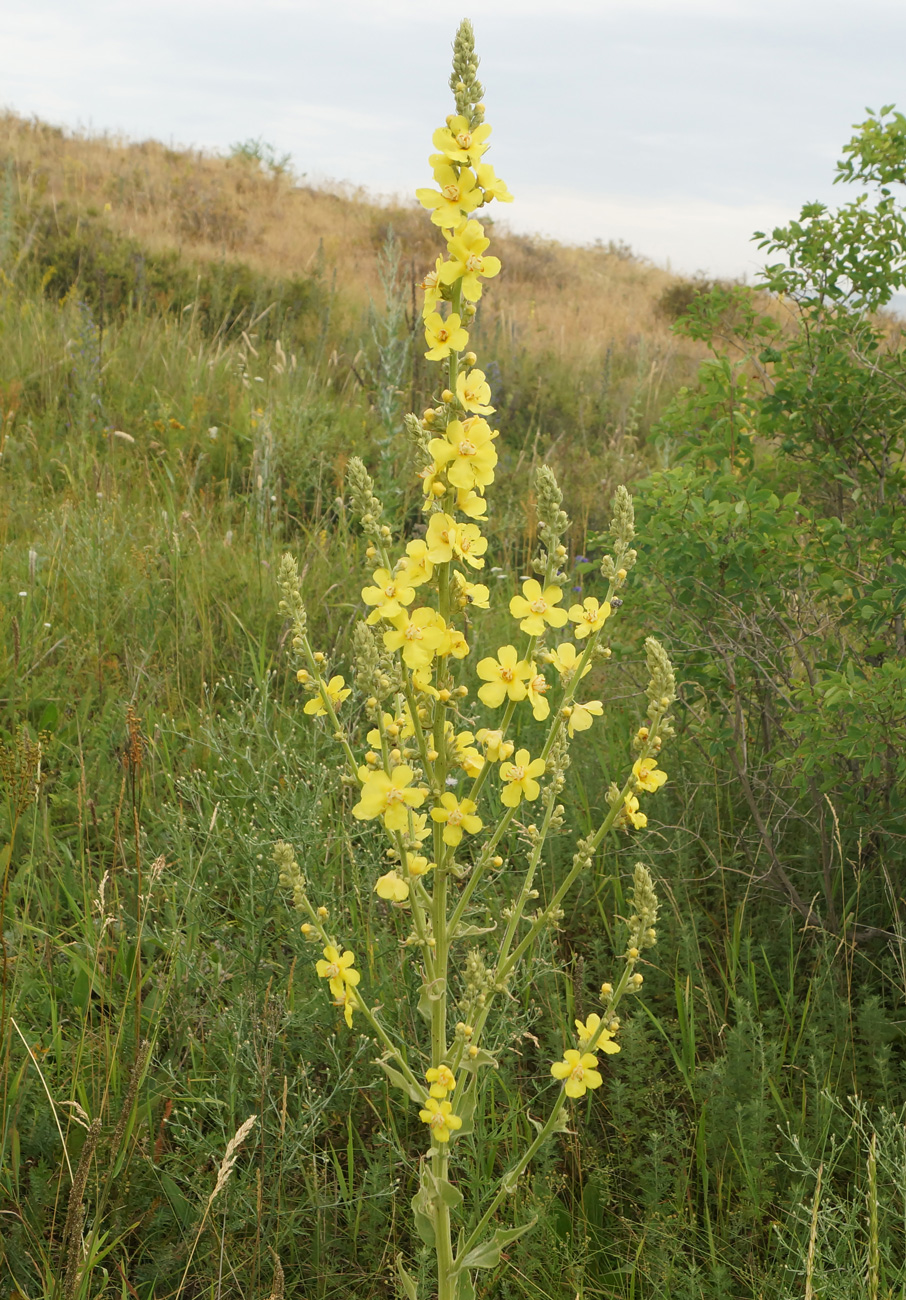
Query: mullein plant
[(451, 796)]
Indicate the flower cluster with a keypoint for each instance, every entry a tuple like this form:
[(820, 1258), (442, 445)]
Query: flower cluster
[(443, 786)]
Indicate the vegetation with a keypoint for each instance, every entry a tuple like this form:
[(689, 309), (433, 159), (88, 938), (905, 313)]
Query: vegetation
[(176, 410)]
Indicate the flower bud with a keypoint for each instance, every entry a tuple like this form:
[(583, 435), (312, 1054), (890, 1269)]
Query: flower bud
[(319, 657), (438, 489), (632, 954), (323, 913), (305, 928), (461, 691), (446, 396), (370, 552), (473, 1052), (606, 990), (470, 358), (303, 676), (433, 755), (443, 695)]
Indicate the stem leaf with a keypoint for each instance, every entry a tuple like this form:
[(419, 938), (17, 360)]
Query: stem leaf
[(487, 1253), (399, 1081)]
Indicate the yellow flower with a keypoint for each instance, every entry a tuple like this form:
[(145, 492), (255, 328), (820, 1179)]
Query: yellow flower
[(537, 688), (465, 755), (494, 745), (457, 197), (566, 659), (537, 609), (471, 504), (474, 393), (417, 635), (519, 779), (466, 452), (431, 287), (348, 1001), (459, 143), (442, 1081), (467, 593), (335, 693), (505, 677), (453, 642), (446, 538), (440, 1119), (581, 717), (420, 830), (392, 887), (589, 616), (467, 260), (458, 815), (337, 969), (631, 812), (417, 567), (589, 1029), (389, 797), (578, 1071), (444, 336), (493, 186), (391, 727), (417, 864), (648, 775), (389, 595)]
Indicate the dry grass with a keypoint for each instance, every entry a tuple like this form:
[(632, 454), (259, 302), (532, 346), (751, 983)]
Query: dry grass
[(567, 300)]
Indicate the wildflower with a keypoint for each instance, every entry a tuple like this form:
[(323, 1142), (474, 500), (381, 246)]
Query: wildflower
[(389, 797), (631, 813), (536, 608), (348, 1001), (468, 261), (389, 595), (465, 755), (442, 1081), (589, 616), (446, 538), (335, 693), (419, 829), (566, 659), (537, 687), (444, 336), (587, 1031), (417, 635), (392, 887), (417, 568), (578, 1071), (459, 143), (648, 775), (580, 718), (431, 286), (505, 677), (494, 745), (467, 593), (458, 196), (439, 1117), (493, 186), (474, 392), (466, 452), (519, 779), (337, 969), (452, 642), (417, 864), (471, 504), (458, 815)]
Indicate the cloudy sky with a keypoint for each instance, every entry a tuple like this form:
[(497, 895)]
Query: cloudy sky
[(677, 126)]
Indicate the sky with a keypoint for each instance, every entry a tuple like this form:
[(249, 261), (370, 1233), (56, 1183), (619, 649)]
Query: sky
[(675, 126)]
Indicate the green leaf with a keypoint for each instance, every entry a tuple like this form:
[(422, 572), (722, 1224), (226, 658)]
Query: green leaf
[(466, 1114), (487, 1253), (430, 994), (465, 1288), (423, 1211), (472, 1064), (406, 1279), (398, 1080)]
